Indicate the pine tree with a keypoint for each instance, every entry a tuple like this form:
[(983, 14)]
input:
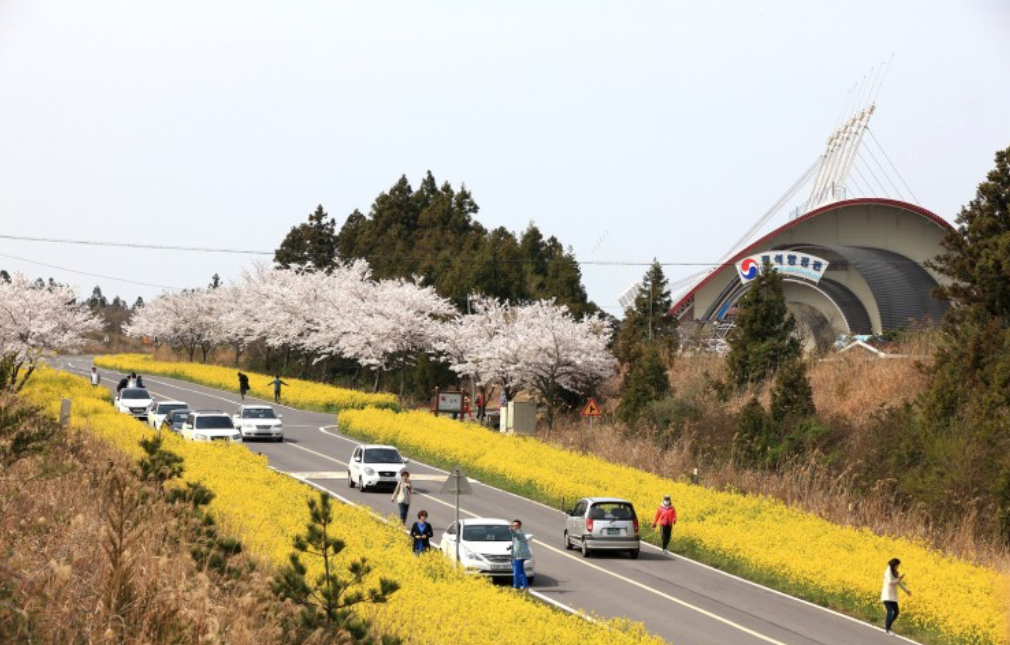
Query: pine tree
[(647, 382), (762, 340), (328, 601), (649, 320), (792, 398), (312, 244), (754, 434)]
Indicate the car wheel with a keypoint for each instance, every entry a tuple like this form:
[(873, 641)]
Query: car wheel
[(634, 553), (585, 548), (279, 440), (568, 542), (531, 580), (361, 484), (350, 481)]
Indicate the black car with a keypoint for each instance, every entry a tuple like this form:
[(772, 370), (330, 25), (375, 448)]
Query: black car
[(175, 419)]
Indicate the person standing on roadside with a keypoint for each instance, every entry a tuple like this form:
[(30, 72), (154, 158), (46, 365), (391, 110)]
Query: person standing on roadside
[(401, 495), (421, 533), (140, 381), (666, 517), (277, 383), (889, 594), (123, 382), (520, 549), (96, 378), (243, 384), (132, 380)]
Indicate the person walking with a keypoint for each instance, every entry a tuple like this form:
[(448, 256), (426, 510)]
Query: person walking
[(401, 495), (421, 533), (889, 594), (96, 378), (243, 384), (277, 383), (666, 517), (479, 402), (520, 549)]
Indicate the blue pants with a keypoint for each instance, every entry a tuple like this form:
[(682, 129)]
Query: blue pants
[(404, 509), (519, 575), (892, 613)]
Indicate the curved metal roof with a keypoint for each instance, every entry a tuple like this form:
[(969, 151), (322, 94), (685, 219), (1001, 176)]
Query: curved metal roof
[(912, 208)]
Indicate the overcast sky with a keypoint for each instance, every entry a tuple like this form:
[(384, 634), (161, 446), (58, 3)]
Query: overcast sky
[(630, 130)]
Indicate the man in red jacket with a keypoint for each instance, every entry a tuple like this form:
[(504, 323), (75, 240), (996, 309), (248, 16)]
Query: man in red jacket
[(666, 517)]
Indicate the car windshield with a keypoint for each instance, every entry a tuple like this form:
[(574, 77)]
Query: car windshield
[(382, 456), (135, 393), (214, 423), (165, 408), (178, 415), (258, 413), (612, 511), (486, 533)]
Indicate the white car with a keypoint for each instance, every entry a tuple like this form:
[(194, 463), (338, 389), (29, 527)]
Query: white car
[(485, 547), (372, 466), (135, 401), (259, 422), (158, 410), (210, 425)]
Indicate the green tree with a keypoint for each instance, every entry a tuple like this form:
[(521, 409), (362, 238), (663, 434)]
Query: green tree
[(647, 382), (754, 434), (792, 398), (313, 243), (964, 452), (158, 464), (649, 321), (328, 601), (763, 339)]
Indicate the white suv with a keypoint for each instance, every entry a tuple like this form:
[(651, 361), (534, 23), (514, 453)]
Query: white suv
[(371, 466), (210, 425), (259, 422), (135, 401)]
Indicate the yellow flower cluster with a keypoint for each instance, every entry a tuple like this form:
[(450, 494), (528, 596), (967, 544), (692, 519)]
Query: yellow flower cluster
[(307, 395), (960, 601), (435, 604)]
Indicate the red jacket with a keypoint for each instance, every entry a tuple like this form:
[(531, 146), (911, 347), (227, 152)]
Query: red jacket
[(665, 516)]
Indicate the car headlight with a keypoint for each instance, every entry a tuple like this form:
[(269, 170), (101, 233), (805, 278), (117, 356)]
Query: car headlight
[(369, 471), (200, 436), (468, 554), (236, 437)]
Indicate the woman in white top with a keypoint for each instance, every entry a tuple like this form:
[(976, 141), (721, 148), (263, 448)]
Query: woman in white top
[(889, 594)]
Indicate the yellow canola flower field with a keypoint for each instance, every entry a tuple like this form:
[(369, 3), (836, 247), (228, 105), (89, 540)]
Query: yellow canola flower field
[(959, 601), (307, 395), (435, 604)]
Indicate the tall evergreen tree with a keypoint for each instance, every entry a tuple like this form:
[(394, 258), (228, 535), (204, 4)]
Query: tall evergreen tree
[(792, 398), (763, 339), (965, 452), (313, 243), (647, 382), (649, 320)]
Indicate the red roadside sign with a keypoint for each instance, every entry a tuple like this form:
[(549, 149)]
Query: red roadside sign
[(591, 409)]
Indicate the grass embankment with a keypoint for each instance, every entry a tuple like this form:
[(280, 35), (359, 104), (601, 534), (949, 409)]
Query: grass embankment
[(435, 604), (757, 537), (60, 508), (298, 393)]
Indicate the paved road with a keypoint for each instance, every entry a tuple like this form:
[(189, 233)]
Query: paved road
[(683, 601)]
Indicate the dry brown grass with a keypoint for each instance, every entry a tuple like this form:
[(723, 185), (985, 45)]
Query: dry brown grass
[(58, 581)]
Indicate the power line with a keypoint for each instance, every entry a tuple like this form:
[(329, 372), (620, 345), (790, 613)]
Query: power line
[(603, 263), (87, 273)]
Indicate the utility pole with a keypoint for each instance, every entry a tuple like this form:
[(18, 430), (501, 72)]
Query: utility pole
[(650, 306)]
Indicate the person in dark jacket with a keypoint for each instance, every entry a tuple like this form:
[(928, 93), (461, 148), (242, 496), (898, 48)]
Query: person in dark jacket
[(140, 381), (121, 385), (243, 384), (421, 533)]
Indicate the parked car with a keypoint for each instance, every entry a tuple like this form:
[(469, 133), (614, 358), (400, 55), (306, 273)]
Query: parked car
[(372, 466), (602, 524), (210, 425), (135, 401), (175, 420), (485, 547), (259, 422), (158, 410)]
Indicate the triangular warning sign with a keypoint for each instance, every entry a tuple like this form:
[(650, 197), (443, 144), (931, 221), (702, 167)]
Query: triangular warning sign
[(591, 409)]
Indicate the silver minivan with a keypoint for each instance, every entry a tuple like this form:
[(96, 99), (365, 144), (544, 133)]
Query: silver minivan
[(603, 524)]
